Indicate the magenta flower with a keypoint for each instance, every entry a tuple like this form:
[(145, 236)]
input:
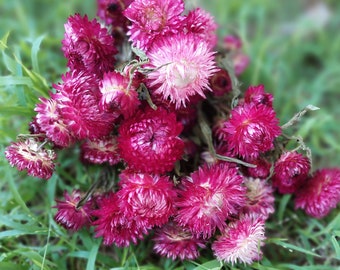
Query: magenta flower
[(111, 12), (52, 123), (251, 130), (240, 241), (99, 151), (152, 19), (146, 198), (290, 172), (113, 225), (30, 156), (118, 95), (78, 100), (88, 46), (173, 241), (208, 197), (257, 95), (260, 198), (69, 215), (149, 141), (320, 193), (262, 169), (183, 65)]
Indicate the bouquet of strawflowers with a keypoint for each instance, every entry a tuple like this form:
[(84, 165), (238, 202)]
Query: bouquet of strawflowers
[(152, 97)]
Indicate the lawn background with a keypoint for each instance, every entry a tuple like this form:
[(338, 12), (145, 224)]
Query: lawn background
[(295, 55)]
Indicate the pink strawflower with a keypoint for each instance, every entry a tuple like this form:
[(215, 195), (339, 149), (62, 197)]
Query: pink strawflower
[(290, 172), (232, 43), (78, 100), (241, 62), (251, 130), (113, 225), (260, 198), (320, 193), (241, 241), (99, 151), (69, 215), (201, 23), (88, 46), (183, 65), (111, 12), (262, 169), (153, 19), (117, 94), (30, 156), (208, 197), (175, 242), (51, 122), (146, 198), (257, 95), (220, 83), (149, 141)]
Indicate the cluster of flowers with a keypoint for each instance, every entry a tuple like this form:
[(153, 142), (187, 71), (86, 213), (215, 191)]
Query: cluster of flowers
[(146, 94)]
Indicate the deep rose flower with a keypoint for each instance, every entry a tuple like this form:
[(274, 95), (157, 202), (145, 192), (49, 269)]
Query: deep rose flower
[(88, 46), (320, 193), (102, 150), (117, 94), (149, 141), (111, 12), (220, 83), (208, 197), (173, 241), (251, 130), (71, 217), (29, 155), (152, 19), (262, 169), (183, 65), (146, 198), (240, 241), (201, 23), (260, 198), (78, 100), (113, 225), (51, 122), (257, 95), (290, 172), (232, 43)]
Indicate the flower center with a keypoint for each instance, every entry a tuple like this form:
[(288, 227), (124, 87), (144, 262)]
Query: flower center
[(182, 73)]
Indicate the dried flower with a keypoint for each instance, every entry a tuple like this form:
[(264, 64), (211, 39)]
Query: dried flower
[(29, 155), (320, 193), (208, 197), (240, 241), (220, 82)]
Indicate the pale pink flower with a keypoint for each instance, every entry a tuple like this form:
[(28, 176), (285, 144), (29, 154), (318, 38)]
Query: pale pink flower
[(182, 67), (208, 197), (240, 241)]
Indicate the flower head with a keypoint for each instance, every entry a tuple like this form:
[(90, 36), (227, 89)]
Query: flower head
[(290, 172), (149, 141), (146, 198), (208, 197), (262, 169), (240, 241), (152, 19), (320, 193), (174, 241), (220, 82), (71, 217), (251, 130), (232, 43), (88, 46), (183, 65), (257, 95), (29, 155), (102, 150)]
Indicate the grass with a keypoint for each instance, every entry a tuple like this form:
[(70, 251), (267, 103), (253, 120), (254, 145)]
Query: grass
[(300, 66)]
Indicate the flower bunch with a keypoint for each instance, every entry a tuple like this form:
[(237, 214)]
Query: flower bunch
[(150, 95)]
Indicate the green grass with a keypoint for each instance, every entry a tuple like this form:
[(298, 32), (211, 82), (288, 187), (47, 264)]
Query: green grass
[(299, 68)]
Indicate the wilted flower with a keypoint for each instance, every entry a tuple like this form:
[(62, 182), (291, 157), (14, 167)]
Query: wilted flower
[(320, 193), (182, 66), (290, 172), (220, 82), (173, 241), (149, 141), (240, 241), (208, 197), (29, 155), (69, 215)]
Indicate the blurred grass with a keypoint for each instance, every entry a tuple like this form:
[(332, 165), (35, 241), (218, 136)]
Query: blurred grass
[(297, 61)]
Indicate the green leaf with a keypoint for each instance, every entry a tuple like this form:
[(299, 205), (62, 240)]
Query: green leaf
[(15, 80), (3, 41), (296, 248), (34, 53), (336, 246), (283, 205), (92, 256), (11, 266), (11, 110), (210, 265)]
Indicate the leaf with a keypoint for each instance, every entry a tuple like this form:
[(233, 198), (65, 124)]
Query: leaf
[(283, 205), (91, 262), (210, 265), (296, 248), (11, 110), (336, 246), (34, 53), (3, 41), (11, 266), (15, 80)]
